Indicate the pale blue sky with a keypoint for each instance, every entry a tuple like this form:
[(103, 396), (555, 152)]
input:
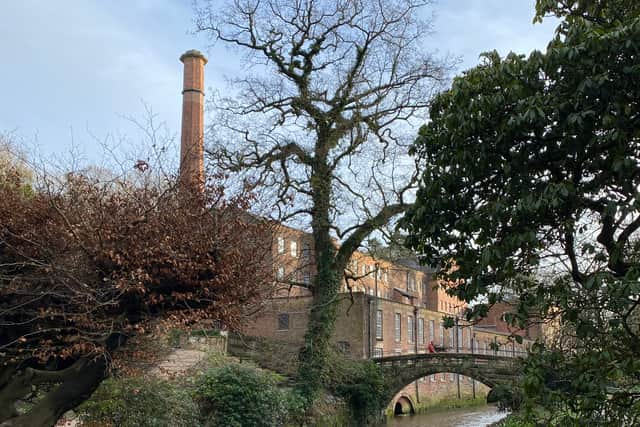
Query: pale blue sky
[(72, 69)]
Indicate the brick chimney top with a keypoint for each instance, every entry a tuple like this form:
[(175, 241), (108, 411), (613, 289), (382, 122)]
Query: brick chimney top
[(195, 54)]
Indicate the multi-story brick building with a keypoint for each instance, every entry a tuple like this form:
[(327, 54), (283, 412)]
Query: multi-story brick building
[(385, 308)]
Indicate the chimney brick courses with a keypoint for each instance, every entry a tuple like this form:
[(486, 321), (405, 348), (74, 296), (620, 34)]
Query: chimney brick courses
[(192, 137)]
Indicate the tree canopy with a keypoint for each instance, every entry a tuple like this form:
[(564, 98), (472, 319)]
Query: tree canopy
[(87, 264), (319, 120), (530, 187)]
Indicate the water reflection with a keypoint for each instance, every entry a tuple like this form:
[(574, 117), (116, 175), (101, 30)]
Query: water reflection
[(464, 417)]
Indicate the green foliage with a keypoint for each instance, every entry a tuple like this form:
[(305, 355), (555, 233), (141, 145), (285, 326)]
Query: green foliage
[(516, 420), (174, 337), (242, 396), (535, 163), (361, 384), (507, 397), (601, 12), (140, 402)]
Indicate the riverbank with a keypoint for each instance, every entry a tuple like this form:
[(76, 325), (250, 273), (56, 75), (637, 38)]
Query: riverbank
[(512, 420)]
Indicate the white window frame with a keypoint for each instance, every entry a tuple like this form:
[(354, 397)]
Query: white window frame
[(398, 327), (379, 325), (293, 246), (280, 272), (280, 244), (410, 329)]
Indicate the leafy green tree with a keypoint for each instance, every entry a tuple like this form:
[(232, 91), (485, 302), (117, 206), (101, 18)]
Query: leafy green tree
[(532, 188)]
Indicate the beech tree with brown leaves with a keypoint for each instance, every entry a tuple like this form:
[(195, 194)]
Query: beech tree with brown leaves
[(86, 265)]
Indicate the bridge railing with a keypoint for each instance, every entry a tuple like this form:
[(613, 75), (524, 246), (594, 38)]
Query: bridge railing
[(378, 353)]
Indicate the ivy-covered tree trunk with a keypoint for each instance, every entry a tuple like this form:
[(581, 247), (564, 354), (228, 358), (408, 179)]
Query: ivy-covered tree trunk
[(322, 317), (322, 123)]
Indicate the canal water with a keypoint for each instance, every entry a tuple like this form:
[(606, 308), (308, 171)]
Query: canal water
[(480, 416)]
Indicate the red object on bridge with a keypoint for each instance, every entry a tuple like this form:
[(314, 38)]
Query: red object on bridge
[(431, 347)]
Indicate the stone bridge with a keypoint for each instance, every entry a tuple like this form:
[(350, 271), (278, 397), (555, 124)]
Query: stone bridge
[(490, 370)]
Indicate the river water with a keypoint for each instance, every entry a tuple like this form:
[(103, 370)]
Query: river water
[(481, 416)]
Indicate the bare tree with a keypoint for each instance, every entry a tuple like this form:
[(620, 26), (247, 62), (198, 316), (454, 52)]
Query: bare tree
[(321, 121)]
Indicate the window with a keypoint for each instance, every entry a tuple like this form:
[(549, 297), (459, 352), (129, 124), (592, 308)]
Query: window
[(379, 324), (432, 378), (411, 281), (378, 352), (280, 244), (460, 342), (306, 278), (294, 248), (432, 330), (344, 347), (283, 321), (364, 269), (452, 337), (469, 340), (385, 276), (410, 331), (442, 334), (280, 273), (452, 376), (421, 331), (398, 327), (306, 251)]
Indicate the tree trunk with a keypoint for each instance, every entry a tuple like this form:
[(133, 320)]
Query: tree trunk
[(76, 386), (322, 317)]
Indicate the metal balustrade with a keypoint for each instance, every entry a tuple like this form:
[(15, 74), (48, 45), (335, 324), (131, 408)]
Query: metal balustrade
[(378, 353)]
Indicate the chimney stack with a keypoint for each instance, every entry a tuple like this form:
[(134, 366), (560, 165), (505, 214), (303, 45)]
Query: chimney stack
[(192, 138)]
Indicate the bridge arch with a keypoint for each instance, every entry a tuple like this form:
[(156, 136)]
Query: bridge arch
[(400, 371), (404, 405)]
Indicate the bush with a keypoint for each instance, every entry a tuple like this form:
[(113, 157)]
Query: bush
[(140, 402), (239, 396), (361, 384)]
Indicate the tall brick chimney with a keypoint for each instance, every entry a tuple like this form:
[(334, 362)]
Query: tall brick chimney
[(192, 139)]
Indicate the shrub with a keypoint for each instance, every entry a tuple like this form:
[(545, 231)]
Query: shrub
[(140, 402), (240, 396), (361, 384)]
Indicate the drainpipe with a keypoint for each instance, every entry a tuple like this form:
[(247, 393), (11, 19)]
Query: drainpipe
[(457, 351), (473, 380), (373, 312), (415, 344), (369, 331)]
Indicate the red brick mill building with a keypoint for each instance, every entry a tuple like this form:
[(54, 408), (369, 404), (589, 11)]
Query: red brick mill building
[(391, 308), (386, 308)]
